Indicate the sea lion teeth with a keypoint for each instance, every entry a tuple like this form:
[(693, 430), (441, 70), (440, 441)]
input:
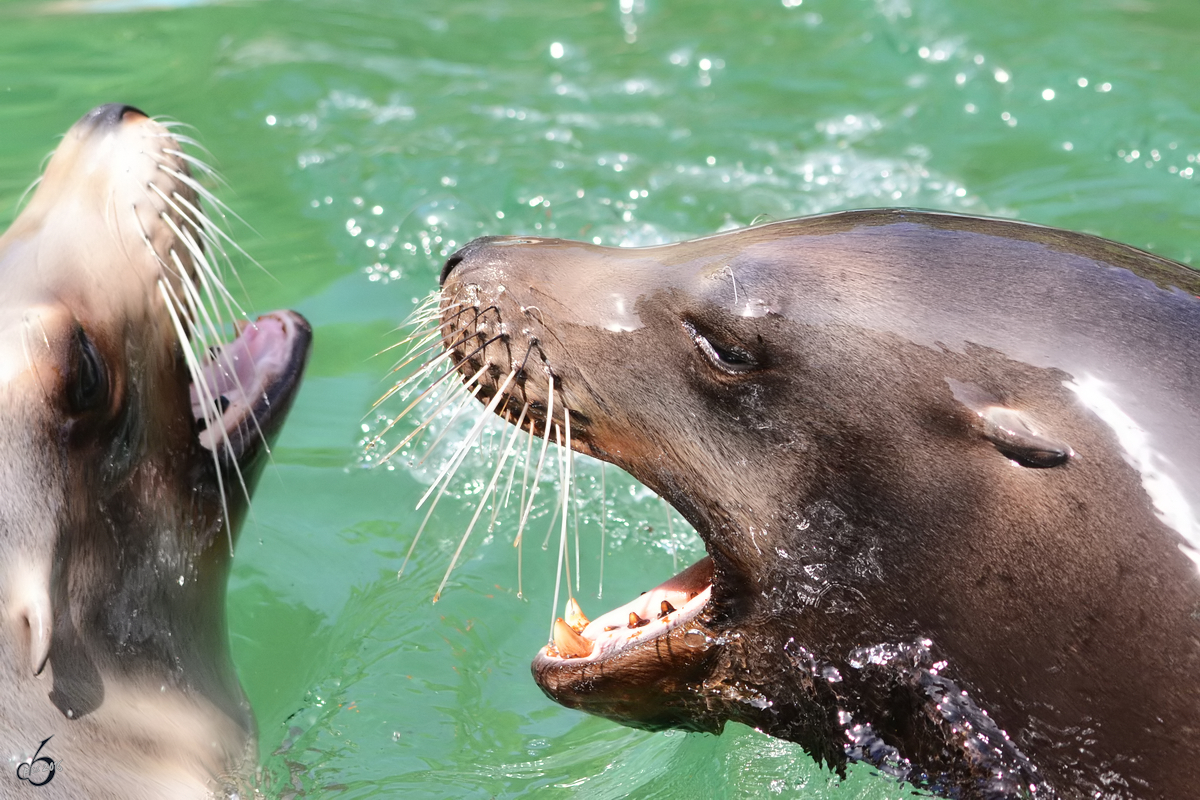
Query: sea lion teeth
[(575, 616), (666, 607), (569, 643), (635, 621)]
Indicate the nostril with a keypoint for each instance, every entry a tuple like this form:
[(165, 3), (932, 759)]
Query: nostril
[(453, 261), (111, 114)]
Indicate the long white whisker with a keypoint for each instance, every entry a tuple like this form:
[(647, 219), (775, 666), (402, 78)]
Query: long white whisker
[(433, 505), (221, 208), (450, 424), (415, 378), (568, 483), (562, 541), (450, 398), (221, 361), (511, 474), (194, 368), (603, 517), (541, 459), (671, 536), (574, 500), (506, 452), (469, 440)]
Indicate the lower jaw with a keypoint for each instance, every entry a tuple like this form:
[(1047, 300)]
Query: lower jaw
[(619, 664)]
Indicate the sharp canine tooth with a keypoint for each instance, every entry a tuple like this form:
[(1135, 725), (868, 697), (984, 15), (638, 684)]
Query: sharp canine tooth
[(569, 643), (575, 617), (635, 621), (667, 608)]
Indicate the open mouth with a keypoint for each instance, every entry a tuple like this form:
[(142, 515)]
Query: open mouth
[(670, 605), (246, 385)]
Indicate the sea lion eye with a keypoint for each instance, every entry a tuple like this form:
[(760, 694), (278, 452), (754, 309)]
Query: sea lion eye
[(89, 380), (730, 359)]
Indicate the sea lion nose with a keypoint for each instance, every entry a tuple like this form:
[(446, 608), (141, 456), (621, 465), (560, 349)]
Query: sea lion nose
[(463, 253), (110, 115)]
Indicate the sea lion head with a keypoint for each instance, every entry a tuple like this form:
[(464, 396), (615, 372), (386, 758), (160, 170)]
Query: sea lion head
[(131, 433), (638, 345), (915, 445)]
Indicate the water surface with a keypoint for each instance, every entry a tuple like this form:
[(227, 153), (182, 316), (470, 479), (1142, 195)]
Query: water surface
[(363, 141)]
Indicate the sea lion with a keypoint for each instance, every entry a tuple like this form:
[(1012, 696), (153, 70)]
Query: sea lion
[(945, 469), (130, 437)]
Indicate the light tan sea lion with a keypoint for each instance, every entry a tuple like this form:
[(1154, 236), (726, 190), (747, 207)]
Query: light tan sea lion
[(129, 440)]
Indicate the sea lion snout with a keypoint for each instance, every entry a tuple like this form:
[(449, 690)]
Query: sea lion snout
[(109, 115), (477, 248)]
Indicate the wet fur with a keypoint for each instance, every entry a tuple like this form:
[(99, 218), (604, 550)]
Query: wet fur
[(850, 501)]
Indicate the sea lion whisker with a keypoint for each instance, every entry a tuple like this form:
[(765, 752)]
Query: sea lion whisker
[(215, 293), (433, 505), (220, 361), (511, 474), (418, 350), (431, 303), (565, 480), (428, 366), (450, 423), (199, 311), (525, 475), (208, 402), (406, 387), (208, 230), (603, 516), (468, 442), (488, 492), (219, 206), (28, 189), (424, 334), (203, 191), (188, 140), (204, 264), (199, 164), (450, 398), (455, 460), (194, 369), (574, 502), (426, 310), (204, 270), (541, 459), (479, 312)]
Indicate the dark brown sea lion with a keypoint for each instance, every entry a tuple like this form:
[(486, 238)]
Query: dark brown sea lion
[(945, 469), (129, 440)]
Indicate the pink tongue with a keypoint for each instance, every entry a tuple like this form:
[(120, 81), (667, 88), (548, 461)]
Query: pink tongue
[(237, 376)]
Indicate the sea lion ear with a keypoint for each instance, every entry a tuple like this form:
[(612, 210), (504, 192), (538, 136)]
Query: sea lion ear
[(1010, 430), (1013, 436), (40, 621)]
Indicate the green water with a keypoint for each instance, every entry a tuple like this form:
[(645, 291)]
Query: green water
[(363, 141)]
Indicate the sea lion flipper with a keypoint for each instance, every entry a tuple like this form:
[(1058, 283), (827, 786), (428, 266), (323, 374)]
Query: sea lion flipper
[(1013, 436)]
